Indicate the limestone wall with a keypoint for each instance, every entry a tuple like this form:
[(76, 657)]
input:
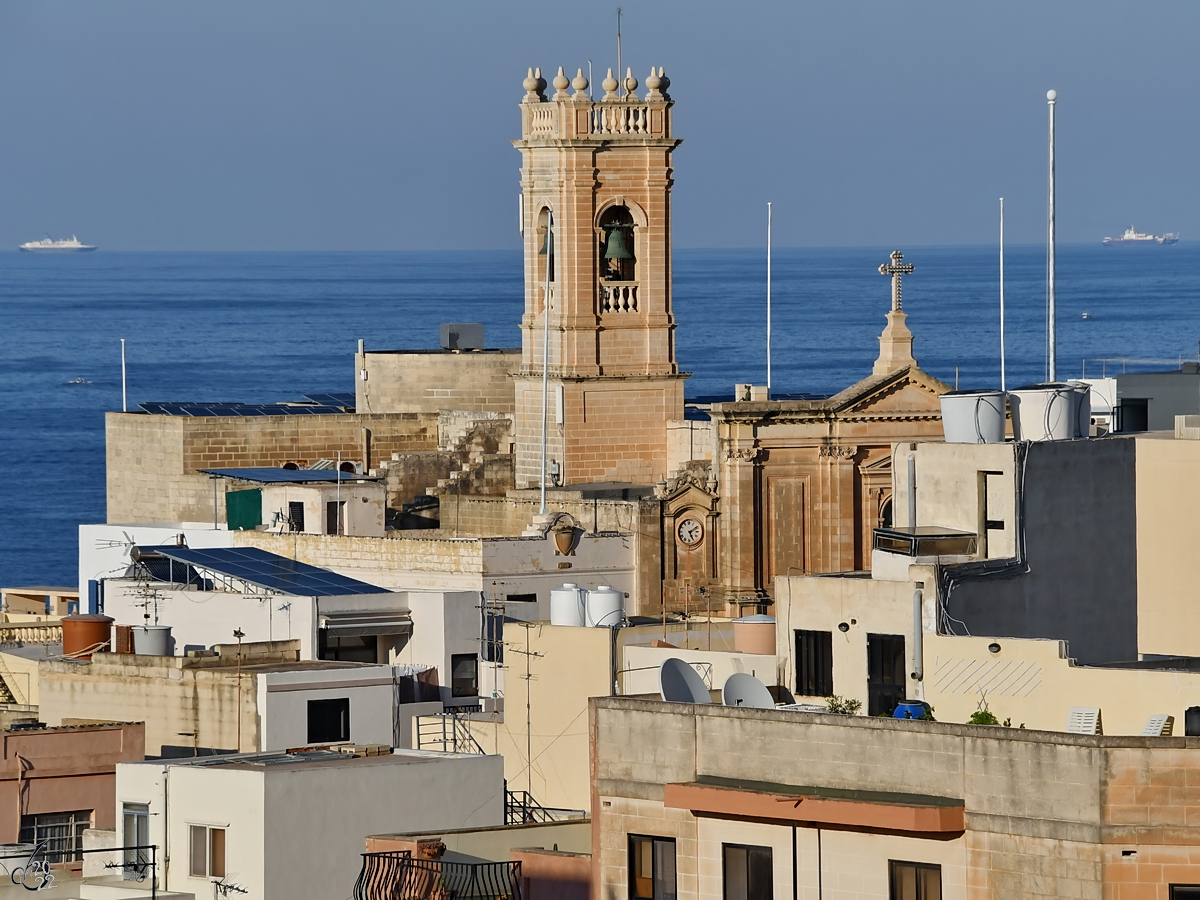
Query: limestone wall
[(424, 381), (153, 461), (1047, 815)]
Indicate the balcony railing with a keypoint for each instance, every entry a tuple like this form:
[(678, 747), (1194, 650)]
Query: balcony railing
[(618, 296), (397, 875), (520, 808)]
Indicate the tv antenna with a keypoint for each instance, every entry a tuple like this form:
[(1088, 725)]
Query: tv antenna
[(529, 654)]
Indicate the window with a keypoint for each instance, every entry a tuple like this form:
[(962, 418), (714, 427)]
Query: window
[(348, 648), (1185, 892), (520, 598), (62, 833), (747, 872), (885, 673), (651, 868), (296, 515), (329, 721), (914, 881), (814, 663), (207, 852), (617, 262), (335, 517), (493, 638), (136, 820), (464, 675)]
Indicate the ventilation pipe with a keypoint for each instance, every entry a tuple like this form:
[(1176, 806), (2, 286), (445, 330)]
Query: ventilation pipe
[(918, 664)]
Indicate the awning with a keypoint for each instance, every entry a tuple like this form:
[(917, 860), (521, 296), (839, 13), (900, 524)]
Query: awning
[(366, 624), (829, 807)]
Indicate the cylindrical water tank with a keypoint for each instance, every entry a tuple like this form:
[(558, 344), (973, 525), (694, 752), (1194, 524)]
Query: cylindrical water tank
[(566, 606), (605, 606), (973, 417), (86, 634), (754, 634), (152, 640), (1084, 390), (1050, 412)]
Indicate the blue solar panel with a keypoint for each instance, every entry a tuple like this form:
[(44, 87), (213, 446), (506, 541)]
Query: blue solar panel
[(340, 400), (268, 570), (269, 475), (237, 409)]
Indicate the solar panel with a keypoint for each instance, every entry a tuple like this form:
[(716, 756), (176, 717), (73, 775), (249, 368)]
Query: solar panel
[(270, 475), (343, 400), (268, 570), (237, 409)]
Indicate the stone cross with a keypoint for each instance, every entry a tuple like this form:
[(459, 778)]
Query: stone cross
[(897, 270)]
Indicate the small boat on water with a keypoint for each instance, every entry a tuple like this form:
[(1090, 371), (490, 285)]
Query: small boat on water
[(1134, 238), (74, 245), (79, 380)]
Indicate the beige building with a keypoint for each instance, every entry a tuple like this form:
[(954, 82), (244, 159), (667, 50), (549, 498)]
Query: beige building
[(711, 802)]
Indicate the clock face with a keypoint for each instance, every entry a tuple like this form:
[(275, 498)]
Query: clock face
[(690, 532)]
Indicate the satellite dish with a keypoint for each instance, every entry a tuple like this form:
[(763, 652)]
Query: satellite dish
[(745, 690), (679, 683)]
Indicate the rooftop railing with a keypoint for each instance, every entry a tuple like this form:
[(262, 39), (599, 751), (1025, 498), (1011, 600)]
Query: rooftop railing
[(397, 875)]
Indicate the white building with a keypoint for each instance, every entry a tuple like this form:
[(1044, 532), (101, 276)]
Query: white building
[(294, 826)]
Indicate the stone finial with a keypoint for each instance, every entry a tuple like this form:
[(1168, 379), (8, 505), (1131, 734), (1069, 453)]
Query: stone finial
[(561, 83), (537, 73), (610, 87), (631, 83), (653, 83), (580, 83), (665, 82), (896, 342), (531, 85)]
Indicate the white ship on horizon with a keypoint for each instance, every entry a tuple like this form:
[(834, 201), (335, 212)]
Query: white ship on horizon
[(74, 245)]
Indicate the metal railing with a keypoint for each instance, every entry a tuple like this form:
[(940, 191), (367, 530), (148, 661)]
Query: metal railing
[(31, 869), (447, 732), (520, 808), (397, 875)]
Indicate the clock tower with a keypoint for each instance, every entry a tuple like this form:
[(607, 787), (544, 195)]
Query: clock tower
[(596, 181)]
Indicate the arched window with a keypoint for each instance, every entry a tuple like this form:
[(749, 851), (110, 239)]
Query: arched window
[(885, 513), (546, 246), (617, 259)]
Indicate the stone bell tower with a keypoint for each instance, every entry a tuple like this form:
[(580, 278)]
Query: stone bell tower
[(596, 218)]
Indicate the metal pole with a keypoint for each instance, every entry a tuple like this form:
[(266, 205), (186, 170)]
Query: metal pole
[(546, 346), (620, 71), (768, 301), (124, 394), (1003, 386), (1051, 336)]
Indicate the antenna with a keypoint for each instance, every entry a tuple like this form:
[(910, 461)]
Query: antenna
[(743, 689), (678, 682), (546, 345), (619, 69), (768, 301), (528, 677), (1002, 383), (1051, 336)]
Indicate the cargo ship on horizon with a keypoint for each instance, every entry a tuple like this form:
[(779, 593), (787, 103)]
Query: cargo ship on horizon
[(1132, 237)]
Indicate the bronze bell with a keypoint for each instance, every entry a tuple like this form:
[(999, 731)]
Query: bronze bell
[(615, 245), (547, 243)]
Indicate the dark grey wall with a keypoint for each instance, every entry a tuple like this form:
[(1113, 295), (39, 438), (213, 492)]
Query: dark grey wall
[(1170, 394), (1081, 545)]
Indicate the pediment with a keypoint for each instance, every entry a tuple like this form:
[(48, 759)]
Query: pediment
[(907, 391)]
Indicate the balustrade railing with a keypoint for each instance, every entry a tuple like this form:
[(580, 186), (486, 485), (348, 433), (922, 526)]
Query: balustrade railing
[(618, 296), (620, 118), (397, 875)]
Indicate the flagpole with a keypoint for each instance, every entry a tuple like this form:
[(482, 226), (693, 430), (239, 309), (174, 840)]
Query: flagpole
[(768, 301), (1003, 386), (546, 346), (1051, 313)]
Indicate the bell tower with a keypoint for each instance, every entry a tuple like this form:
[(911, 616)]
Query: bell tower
[(596, 182)]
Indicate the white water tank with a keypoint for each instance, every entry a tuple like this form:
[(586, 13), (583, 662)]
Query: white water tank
[(152, 640), (1054, 411), (566, 606), (973, 417), (605, 606)]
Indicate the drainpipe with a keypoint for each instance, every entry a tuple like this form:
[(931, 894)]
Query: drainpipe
[(918, 662), (912, 490)]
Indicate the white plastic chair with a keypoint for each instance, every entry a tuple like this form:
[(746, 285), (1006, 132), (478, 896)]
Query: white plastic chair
[(1159, 725), (1084, 720)]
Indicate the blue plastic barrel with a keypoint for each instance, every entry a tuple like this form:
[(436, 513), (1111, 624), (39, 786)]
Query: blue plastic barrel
[(910, 709)]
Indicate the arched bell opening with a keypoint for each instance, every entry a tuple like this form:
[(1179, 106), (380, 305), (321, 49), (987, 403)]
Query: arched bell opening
[(546, 247), (618, 258)]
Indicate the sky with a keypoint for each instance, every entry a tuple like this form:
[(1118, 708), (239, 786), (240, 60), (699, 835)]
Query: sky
[(361, 125)]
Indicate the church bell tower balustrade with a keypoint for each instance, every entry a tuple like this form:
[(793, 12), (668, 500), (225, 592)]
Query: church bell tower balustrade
[(618, 297)]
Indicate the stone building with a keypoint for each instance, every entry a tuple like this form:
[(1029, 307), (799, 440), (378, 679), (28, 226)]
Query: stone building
[(713, 801)]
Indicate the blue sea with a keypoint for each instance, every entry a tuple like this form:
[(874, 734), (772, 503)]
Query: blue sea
[(264, 327)]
